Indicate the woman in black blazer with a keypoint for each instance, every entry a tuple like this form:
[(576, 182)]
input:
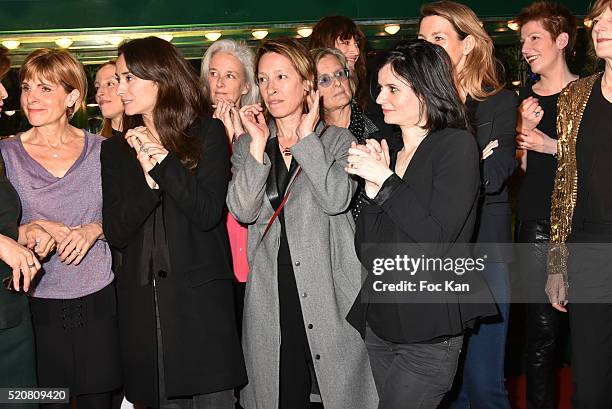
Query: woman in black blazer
[(164, 185), (492, 112), (425, 194)]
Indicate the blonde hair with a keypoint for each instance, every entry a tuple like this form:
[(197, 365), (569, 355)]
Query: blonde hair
[(58, 66), (479, 78), (299, 56), (107, 125), (296, 53)]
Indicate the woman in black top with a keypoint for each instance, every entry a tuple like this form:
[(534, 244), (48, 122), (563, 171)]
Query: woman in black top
[(492, 111), (581, 214), (548, 34), (164, 186), (424, 193)]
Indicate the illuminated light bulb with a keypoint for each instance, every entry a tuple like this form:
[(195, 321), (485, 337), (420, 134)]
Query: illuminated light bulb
[(588, 23), (304, 31), (64, 42), (513, 25), (166, 37), (9, 113), (11, 44), (92, 105), (260, 34), (212, 35), (392, 28), (115, 40), (516, 83)]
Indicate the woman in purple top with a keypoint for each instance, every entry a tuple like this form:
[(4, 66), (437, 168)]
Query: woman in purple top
[(55, 168)]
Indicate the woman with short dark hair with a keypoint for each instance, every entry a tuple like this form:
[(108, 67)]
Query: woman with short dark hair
[(548, 34), (164, 185), (424, 194)]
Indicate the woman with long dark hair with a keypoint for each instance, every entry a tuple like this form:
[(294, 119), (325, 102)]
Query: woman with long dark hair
[(423, 195), (164, 184)]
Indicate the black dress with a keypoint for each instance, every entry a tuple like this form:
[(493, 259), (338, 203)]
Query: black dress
[(296, 370), (17, 358)]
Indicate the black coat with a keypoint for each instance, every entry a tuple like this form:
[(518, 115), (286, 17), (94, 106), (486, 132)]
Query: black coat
[(495, 118), (435, 203), (201, 348)]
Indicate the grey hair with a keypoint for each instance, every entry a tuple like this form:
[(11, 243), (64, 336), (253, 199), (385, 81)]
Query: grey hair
[(243, 53), (319, 53)]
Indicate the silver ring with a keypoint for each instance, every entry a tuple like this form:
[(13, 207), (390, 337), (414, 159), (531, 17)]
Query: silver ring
[(31, 265), (144, 149), (537, 113), (78, 253)]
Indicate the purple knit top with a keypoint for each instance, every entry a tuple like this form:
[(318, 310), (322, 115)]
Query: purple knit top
[(75, 199)]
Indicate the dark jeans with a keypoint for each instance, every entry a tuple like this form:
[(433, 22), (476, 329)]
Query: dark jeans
[(483, 369), (415, 376)]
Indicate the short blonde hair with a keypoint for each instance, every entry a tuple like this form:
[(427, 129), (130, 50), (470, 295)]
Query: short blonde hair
[(58, 66), (480, 77)]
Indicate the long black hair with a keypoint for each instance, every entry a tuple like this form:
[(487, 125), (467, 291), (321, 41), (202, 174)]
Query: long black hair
[(180, 98), (428, 70)]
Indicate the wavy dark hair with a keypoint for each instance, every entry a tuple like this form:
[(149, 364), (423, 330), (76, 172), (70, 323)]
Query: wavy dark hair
[(181, 100), (428, 70)]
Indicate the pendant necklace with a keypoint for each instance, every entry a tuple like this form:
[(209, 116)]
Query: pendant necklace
[(285, 151)]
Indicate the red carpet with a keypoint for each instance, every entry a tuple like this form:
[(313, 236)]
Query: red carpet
[(516, 390)]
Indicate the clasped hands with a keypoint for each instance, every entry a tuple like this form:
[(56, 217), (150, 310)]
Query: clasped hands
[(149, 151), (370, 162), (39, 238)]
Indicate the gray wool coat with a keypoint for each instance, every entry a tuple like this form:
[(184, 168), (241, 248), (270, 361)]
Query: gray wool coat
[(320, 233)]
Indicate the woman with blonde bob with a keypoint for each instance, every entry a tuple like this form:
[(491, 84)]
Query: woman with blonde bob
[(289, 185), (55, 168), (492, 112), (581, 217)]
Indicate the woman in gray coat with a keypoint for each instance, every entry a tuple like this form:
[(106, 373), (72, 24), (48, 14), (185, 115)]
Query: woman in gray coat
[(289, 185)]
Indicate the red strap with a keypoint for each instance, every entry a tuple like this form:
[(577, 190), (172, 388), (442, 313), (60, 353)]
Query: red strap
[(282, 204)]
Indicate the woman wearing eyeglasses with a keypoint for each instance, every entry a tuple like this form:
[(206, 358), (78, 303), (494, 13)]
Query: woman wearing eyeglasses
[(337, 89)]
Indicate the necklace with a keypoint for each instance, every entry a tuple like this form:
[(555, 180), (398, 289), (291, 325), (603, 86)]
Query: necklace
[(285, 150)]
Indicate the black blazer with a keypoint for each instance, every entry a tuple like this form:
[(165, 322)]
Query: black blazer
[(495, 118), (434, 203), (201, 348)]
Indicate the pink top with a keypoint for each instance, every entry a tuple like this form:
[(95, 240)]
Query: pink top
[(238, 244)]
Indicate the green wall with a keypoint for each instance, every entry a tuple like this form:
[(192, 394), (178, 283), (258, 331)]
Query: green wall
[(40, 15)]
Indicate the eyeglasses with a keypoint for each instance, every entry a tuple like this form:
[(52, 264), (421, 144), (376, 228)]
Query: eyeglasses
[(326, 80)]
